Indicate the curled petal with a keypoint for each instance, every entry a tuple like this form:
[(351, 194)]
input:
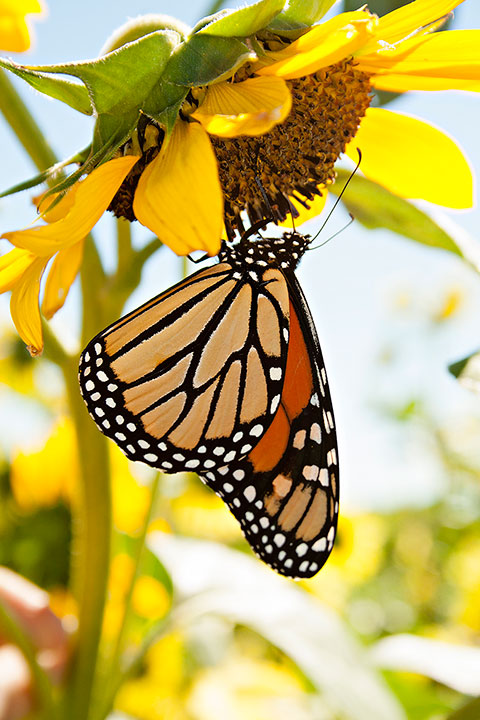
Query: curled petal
[(93, 196), (179, 196), (24, 306), (251, 107), (323, 45), (61, 275), (448, 60), (12, 266), (52, 211), (419, 17), (412, 159)]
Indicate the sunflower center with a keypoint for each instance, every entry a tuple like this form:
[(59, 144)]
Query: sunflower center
[(296, 159)]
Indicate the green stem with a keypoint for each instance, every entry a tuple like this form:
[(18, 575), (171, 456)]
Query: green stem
[(124, 245), (114, 677), (93, 281), (23, 125), (214, 7), (41, 683), (91, 550), (92, 520)]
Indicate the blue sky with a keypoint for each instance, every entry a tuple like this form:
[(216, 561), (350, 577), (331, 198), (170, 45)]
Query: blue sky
[(354, 285)]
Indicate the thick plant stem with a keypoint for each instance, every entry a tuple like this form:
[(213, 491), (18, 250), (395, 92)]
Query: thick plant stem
[(91, 560), (23, 125), (92, 523)]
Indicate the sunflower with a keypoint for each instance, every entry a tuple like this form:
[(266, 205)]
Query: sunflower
[(14, 26), (259, 139)]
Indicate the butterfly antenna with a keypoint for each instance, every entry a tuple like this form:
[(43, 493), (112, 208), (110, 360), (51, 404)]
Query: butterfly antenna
[(338, 200), (334, 234)]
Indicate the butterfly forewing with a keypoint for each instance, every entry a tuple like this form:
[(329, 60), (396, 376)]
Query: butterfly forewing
[(193, 378), (285, 492)]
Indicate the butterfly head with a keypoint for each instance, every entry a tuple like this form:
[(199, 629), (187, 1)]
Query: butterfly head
[(282, 252)]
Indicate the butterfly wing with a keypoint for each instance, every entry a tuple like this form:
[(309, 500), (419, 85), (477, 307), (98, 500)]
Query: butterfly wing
[(192, 379), (285, 492)]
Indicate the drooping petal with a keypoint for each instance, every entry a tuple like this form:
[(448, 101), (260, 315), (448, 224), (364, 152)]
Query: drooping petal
[(179, 196), (446, 60), (61, 275), (251, 107), (412, 159), (416, 17), (93, 196), (323, 45), (315, 208), (24, 306), (12, 266)]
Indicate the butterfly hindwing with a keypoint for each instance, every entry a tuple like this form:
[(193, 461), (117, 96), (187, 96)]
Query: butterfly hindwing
[(285, 492)]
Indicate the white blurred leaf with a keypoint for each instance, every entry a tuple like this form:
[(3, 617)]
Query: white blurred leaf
[(457, 666), (211, 578)]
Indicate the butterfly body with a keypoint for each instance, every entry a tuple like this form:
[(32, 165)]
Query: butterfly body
[(223, 375)]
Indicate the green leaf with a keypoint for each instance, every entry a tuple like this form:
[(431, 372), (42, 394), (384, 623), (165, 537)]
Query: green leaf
[(470, 711), (215, 580), (164, 104), (376, 207), (245, 21), (454, 665), (204, 59), (122, 80), (467, 371), (74, 95), (300, 14)]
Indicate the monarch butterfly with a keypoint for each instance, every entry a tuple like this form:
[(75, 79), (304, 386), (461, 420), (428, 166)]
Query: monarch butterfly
[(223, 374)]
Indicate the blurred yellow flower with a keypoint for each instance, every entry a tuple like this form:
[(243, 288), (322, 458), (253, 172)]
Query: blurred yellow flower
[(159, 692), (452, 302), (47, 476), (202, 514), (15, 32), (357, 555), (464, 572), (129, 499), (240, 687), (150, 598)]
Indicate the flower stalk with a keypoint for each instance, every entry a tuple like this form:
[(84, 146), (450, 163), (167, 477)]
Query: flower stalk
[(23, 125)]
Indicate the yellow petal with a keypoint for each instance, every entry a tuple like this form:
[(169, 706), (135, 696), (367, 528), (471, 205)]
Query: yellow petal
[(412, 159), (24, 306), (452, 56), (251, 107), (179, 196), (60, 209), (93, 196), (324, 45), (20, 7), (14, 34), (12, 266), (61, 275), (315, 208), (14, 30), (416, 17)]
